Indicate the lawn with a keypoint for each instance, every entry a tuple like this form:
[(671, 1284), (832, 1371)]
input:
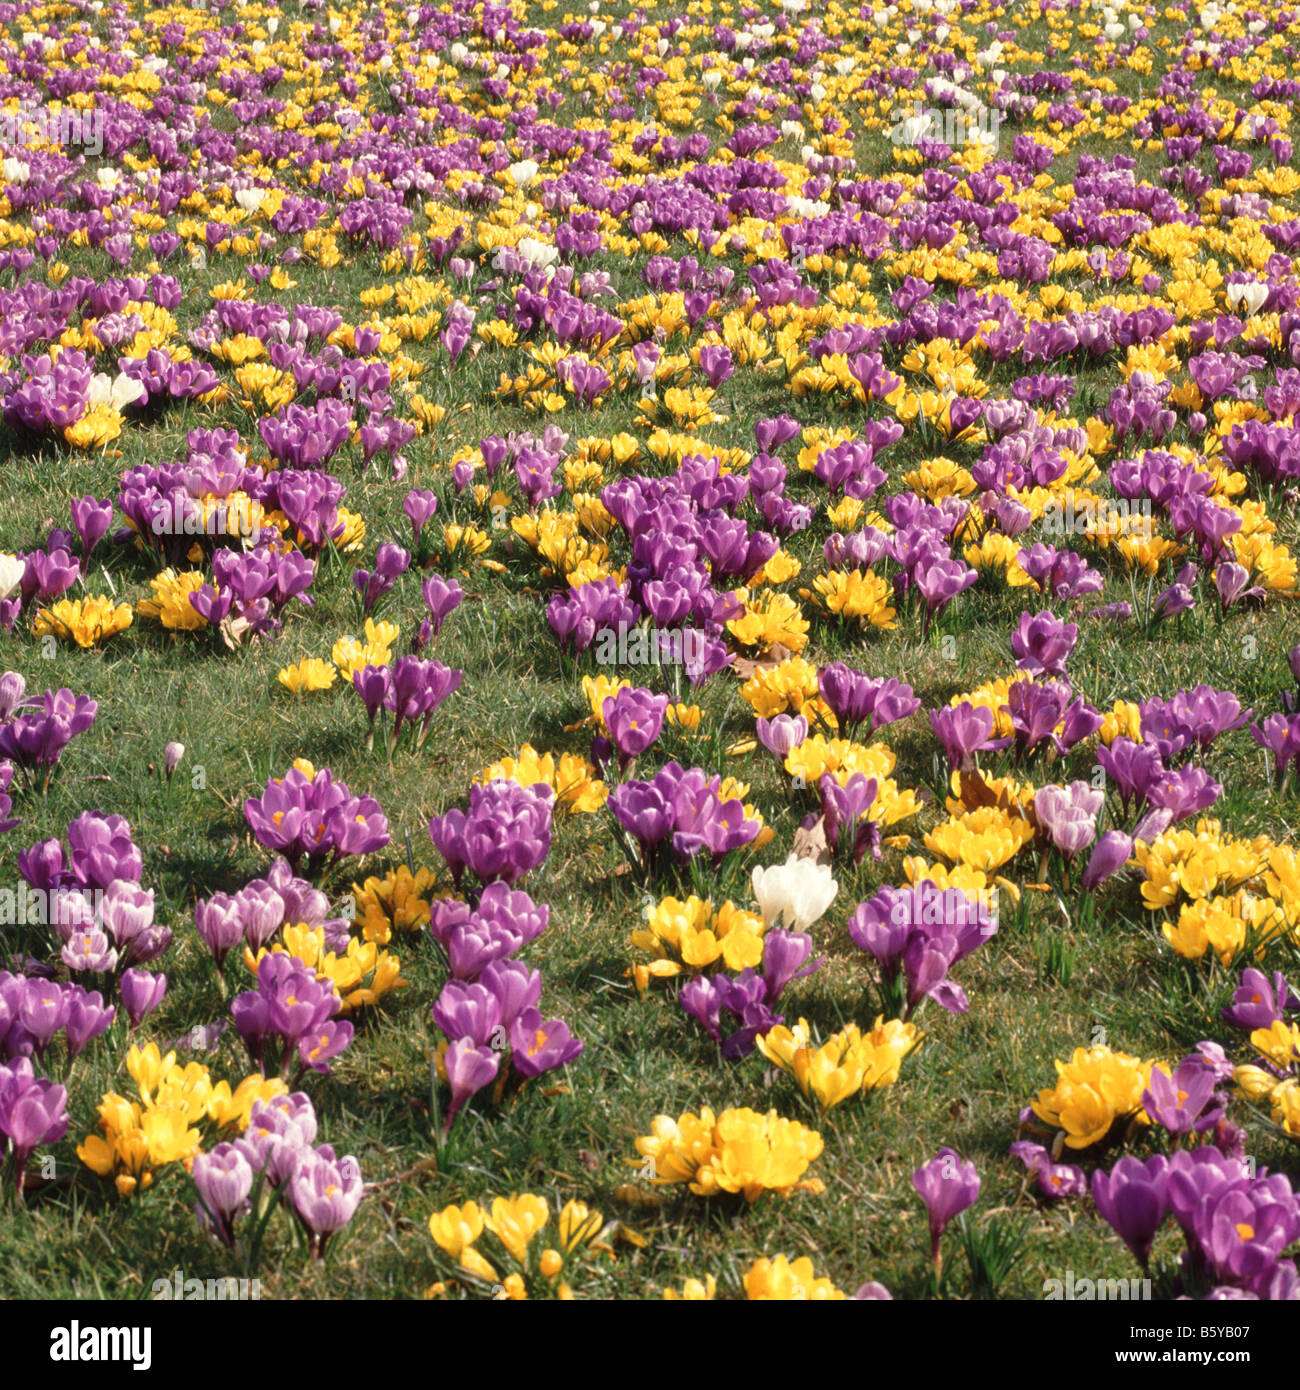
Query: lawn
[(1066, 968)]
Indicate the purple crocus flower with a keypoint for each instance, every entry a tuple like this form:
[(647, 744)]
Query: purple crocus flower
[(1110, 854), (325, 1193), (1134, 768), (466, 1010), (1042, 644), (1132, 1200), (700, 998), (939, 583), (962, 729), (947, 1187), (261, 911), (442, 597), (92, 519), (33, 1111), (785, 957), (224, 1179), (634, 718), (1180, 1102), (537, 1046), (847, 808), (469, 1069), (420, 506), (1259, 1002), (142, 992), (782, 733), (391, 562), (1054, 1180), (86, 1018), (1069, 816), (324, 1042)]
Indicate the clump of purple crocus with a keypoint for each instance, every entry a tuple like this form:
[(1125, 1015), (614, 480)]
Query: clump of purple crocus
[(315, 816), (750, 996), (276, 1159), (504, 835), (916, 935), (290, 1016), (36, 739), (33, 1111), (410, 689), (682, 808)]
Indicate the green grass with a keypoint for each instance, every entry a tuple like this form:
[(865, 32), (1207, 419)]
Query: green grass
[(1039, 990)]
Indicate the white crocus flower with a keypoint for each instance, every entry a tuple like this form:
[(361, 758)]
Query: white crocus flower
[(11, 574), (796, 893), (113, 391), (523, 173), (537, 253)]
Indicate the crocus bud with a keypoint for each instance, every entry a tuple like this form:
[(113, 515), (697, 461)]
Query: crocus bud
[(142, 992), (172, 755), (13, 688), (1111, 853)]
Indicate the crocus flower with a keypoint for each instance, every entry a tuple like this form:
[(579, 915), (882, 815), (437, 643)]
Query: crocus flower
[(469, 1069), (962, 729), (1132, 1200), (172, 755), (1069, 815), (1054, 1180), (92, 519), (1111, 853), (142, 992), (1179, 1103), (442, 597), (537, 1046), (634, 718), (33, 1111), (86, 1018), (947, 1187), (795, 893), (1043, 643), (224, 1180), (420, 506), (785, 956), (325, 1193), (782, 733), (1259, 1002)]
